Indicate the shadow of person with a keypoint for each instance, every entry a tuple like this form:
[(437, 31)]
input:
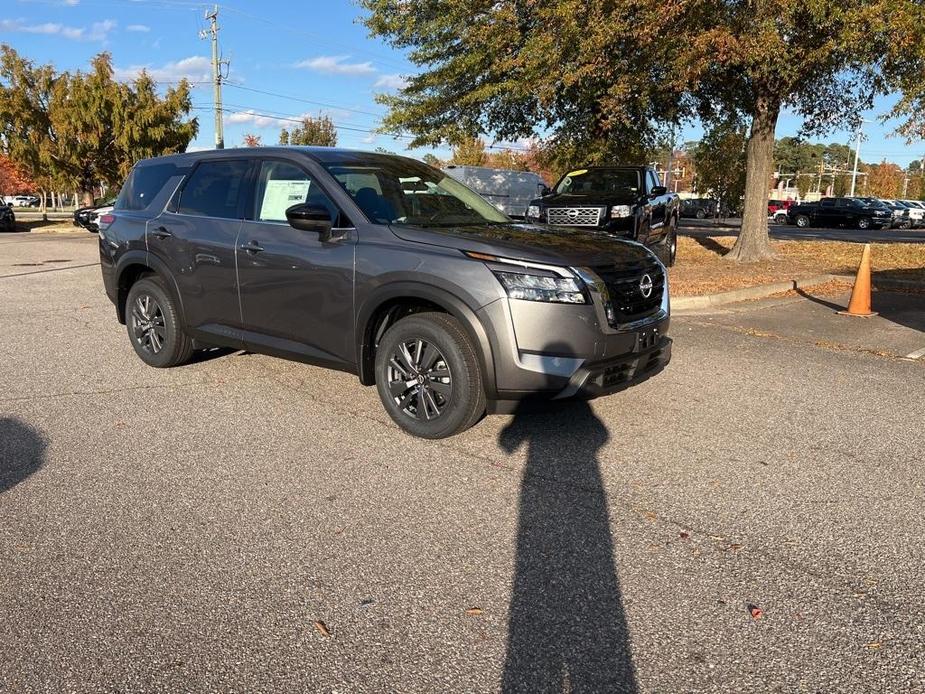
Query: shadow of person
[(22, 452), (567, 631)]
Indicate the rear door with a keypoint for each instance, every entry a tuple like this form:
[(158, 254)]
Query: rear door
[(197, 240), (296, 287), (827, 214)]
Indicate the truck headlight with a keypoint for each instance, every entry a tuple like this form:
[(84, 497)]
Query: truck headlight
[(620, 211), (527, 287), (533, 212)]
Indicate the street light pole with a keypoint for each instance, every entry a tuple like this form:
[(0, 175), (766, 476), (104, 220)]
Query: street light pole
[(857, 155)]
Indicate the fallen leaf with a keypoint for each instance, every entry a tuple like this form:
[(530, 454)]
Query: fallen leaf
[(650, 515), (684, 535), (735, 547), (873, 645), (323, 629), (474, 611), (755, 611)]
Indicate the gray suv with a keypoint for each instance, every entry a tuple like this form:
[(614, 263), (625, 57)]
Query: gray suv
[(383, 267)]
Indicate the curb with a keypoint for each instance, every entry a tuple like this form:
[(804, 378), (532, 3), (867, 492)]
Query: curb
[(685, 303)]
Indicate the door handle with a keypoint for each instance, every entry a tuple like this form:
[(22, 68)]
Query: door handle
[(162, 233), (251, 247)]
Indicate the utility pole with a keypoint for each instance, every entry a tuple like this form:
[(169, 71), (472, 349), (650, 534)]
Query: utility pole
[(857, 154), (217, 63)]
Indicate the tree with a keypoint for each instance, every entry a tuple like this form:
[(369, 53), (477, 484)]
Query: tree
[(320, 132), (884, 180), (719, 159), (13, 180), (609, 78), (469, 151), (433, 160), (251, 140), (76, 130)]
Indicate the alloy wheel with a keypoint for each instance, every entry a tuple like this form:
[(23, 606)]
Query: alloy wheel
[(148, 325), (419, 379)]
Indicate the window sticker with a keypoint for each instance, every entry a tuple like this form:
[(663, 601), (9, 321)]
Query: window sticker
[(279, 196)]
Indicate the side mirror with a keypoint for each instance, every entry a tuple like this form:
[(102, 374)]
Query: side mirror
[(657, 191), (306, 217), (544, 191)]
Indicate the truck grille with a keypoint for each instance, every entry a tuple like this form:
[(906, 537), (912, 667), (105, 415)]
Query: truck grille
[(574, 216), (626, 294)]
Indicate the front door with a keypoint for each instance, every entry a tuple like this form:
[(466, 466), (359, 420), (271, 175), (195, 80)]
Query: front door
[(296, 287), (198, 241)]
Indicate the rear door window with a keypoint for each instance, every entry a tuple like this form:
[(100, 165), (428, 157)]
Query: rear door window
[(143, 185), (214, 189)]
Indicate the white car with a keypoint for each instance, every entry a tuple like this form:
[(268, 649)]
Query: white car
[(916, 212), (21, 200)]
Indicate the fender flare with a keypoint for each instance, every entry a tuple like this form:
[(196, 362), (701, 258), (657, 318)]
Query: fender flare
[(453, 305), (139, 257)]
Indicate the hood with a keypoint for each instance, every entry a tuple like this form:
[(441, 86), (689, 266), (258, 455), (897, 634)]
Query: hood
[(563, 246), (578, 199)]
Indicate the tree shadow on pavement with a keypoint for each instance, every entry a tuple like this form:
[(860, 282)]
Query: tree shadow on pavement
[(22, 452), (567, 630)]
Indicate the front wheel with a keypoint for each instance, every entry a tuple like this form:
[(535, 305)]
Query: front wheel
[(428, 376), (802, 221), (668, 247)]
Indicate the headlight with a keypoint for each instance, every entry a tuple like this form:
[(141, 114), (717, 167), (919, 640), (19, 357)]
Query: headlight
[(556, 290), (618, 211), (533, 212)]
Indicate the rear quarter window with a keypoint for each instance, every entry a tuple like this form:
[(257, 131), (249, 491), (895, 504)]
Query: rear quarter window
[(143, 185)]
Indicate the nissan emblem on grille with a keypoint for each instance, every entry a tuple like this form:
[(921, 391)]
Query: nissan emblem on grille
[(645, 286)]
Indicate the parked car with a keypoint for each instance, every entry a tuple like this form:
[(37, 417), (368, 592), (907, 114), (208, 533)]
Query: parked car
[(87, 217), (380, 266), (509, 191), (7, 218), (22, 200), (697, 208), (831, 212), (624, 201), (901, 218), (916, 212)]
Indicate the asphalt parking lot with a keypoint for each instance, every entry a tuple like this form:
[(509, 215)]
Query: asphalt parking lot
[(789, 232), (749, 520)]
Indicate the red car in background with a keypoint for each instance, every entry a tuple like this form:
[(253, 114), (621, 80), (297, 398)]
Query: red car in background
[(777, 209)]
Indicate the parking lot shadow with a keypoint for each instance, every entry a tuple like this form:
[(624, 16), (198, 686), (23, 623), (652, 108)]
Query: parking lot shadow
[(567, 630), (22, 452)]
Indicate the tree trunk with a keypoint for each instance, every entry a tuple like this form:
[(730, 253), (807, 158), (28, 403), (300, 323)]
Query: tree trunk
[(753, 243)]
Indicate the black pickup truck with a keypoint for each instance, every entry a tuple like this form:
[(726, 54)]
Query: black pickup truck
[(834, 212), (624, 201)]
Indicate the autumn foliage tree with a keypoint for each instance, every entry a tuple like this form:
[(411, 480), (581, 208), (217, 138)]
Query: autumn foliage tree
[(884, 180), (13, 180), (609, 78), (319, 131), (75, 130)]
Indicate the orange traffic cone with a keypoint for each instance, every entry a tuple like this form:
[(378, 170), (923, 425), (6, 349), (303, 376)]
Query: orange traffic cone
[(860, 295)]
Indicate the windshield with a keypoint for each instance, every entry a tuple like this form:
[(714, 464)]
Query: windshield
[(599, 181), (403, 191)]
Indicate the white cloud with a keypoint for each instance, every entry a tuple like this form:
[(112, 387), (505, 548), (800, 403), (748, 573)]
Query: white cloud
[(142, 28), (370, 139), (335, 65), (98, 31), (250, 117), (71, 3), (391, 82), (196, 68)]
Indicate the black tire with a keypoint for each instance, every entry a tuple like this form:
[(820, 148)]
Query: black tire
[(668, 247), (802, 221), (154, 326), (863, 223), (701, 214), (446, 395)]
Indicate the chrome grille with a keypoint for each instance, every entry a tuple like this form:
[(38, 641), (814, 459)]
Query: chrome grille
[(574, 216)]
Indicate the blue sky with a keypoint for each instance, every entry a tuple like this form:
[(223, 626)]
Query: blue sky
[(287, 59)]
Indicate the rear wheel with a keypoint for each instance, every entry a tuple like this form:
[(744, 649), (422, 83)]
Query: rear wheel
[(153, 324), (428, 376), (863, 223), (701, 214)]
